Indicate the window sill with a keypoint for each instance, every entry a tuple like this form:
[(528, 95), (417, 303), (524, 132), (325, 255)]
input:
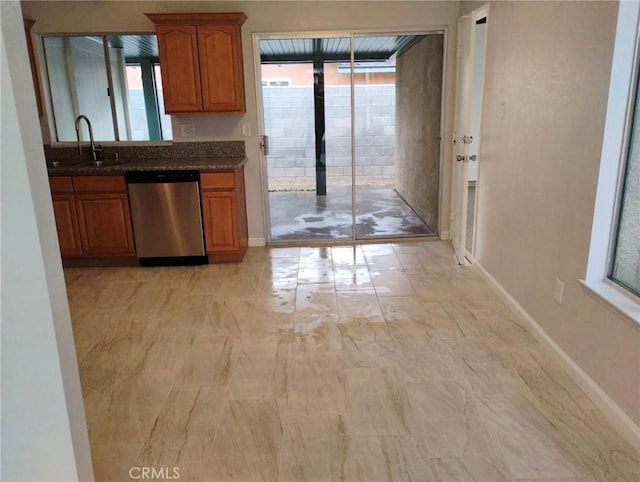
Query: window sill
[(613, 298)]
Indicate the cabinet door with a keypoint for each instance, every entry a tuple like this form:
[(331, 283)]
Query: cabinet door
[(105, 224), (220, 213), (221, 68), (178, 50), (64, 211)]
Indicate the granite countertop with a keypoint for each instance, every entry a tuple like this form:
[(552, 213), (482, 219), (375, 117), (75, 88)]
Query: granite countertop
[(201, 156), (122, 166)]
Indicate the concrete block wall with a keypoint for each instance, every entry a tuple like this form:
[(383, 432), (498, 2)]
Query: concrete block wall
[(289, 123)]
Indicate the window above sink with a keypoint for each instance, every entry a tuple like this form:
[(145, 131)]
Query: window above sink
[(114, 80)]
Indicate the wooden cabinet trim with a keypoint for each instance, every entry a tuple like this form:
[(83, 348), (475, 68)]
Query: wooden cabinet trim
[(217, 180), (115, 183), (234, 18), (60, 184)]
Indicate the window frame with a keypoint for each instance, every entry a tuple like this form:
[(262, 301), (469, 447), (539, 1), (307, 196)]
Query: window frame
[(50, 110), (625, 73), (632, 120)]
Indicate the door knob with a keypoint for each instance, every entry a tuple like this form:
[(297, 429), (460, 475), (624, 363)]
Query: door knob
[(460, 158), (473, 158)]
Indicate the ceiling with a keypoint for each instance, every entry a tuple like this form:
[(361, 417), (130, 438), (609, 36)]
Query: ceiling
[(336, 49)]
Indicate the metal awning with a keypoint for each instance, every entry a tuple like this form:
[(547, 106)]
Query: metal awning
[(369, 48)]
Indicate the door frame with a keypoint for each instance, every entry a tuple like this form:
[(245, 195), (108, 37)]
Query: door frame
[(459, 169), (479, 14), (257, 36)]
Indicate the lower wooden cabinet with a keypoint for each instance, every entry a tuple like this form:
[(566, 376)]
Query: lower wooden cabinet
[(219, 209), (224, 215), (105, 224), (92, 216), (64, 211), (94, 221)]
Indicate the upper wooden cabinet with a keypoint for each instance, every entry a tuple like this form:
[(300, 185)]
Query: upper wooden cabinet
[(201, 61)]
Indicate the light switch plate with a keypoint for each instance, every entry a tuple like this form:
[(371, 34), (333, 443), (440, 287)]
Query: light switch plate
[(246, 129)]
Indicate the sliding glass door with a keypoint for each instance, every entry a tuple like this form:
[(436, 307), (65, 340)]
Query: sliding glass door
[(353, 135)]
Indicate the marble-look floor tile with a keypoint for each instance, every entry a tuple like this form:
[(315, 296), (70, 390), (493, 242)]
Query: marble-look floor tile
[(281, 269), (420, 358), (352, 278), (209, 362), (469, 469), (353, 363), (392, 283), (314, 449), (367, 344), (387, 458), (316, 333), (275, 252), (315, 271), (415, 262), (484, 368), (161, 359), (316, 253), (112, 462), (448, 421), (260, 372), (359, 305), (381, 260), (221, 321), (345, 256), (526, 440), (128, 414), (248, 442), (406, 313), (316, 384), (276, 298), (188, 414), (365, 414), (316, 298)]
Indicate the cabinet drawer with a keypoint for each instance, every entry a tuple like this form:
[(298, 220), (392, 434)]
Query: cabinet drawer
[(218, 180), (60, 184), (99, 183)]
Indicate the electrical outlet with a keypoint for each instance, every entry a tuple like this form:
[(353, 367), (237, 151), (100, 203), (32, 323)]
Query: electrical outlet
[(558, 293), (188, 129)]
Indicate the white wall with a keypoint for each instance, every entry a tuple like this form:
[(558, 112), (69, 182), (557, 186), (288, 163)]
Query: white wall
[(263, 17), (550, 63), (44, 435)]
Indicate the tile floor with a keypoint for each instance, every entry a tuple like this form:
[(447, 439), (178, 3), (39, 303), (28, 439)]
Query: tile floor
[(368, 363)]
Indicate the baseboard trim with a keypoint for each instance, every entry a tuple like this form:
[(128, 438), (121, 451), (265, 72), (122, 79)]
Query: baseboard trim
[(614, 414), (256, 242)]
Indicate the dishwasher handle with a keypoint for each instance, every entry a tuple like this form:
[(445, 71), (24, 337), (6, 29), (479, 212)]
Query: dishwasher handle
[(143, 177)]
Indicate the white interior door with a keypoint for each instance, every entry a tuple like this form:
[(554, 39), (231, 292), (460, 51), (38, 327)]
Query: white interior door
[(462, 137)]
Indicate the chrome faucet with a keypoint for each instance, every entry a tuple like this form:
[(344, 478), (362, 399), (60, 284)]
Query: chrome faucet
[(93, 146)]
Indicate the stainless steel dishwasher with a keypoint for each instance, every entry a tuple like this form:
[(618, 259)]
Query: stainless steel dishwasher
[(166, 217)]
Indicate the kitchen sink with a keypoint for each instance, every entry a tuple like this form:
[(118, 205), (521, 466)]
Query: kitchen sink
[(107, 163)]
